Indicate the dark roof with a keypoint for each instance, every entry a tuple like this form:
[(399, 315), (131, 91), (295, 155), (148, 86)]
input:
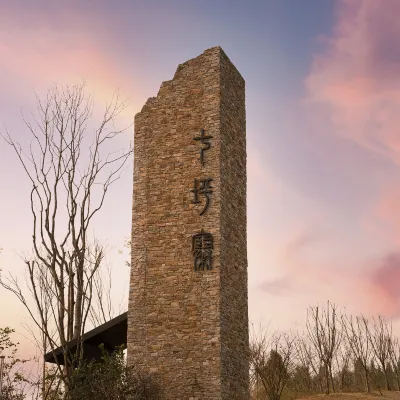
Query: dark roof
[(111, 334)]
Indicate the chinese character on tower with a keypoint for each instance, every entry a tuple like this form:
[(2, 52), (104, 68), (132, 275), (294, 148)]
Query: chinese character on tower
[(202, 245)]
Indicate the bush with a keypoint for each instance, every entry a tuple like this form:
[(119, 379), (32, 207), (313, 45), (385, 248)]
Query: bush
[(112, 379)]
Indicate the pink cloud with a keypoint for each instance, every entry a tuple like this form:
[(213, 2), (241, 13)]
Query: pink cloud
[(40, 48), (385, 278), (382, 279), (370, 287), (356, 77), (354, 85), (301, 242), (278, 287), (303, 274), (384, 220)]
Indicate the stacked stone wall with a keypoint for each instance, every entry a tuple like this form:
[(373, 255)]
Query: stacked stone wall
[(187, 326), (233, 271)]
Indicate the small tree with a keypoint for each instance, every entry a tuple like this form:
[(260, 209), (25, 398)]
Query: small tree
[(14, 380), (111, 379), (356, 333), (344, 376), (301, 381), (309, 360), (394, 354), (359, 375), (324, 333), (379, 336), (272, 362)]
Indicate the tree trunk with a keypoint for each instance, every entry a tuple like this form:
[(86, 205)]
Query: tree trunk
[(388, 387), (327, 379), (398, 380), (367, 380), (331, 379)]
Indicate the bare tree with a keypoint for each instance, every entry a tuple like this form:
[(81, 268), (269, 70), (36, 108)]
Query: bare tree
[(356, 332), (342, 360), (47, 384), (70, 177), (103, 304), (272, 361), (379, 336), (394, 354), (308, 359), (324, 333)]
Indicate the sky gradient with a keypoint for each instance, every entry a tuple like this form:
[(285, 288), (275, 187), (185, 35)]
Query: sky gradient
[(322, 99)]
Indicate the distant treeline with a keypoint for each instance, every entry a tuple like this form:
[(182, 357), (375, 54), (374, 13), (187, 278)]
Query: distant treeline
[(336, 352)]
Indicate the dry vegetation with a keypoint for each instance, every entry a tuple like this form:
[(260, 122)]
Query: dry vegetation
[(337, 356)]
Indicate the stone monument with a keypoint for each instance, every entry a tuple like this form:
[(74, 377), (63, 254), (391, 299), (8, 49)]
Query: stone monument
[(187, 318)]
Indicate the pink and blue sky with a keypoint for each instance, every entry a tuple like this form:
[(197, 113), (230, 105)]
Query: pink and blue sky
[(323, 129)]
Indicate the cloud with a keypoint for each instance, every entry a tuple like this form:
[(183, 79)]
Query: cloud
[(382, 276), (354, 88), (278, 287), (370, 287), (385, 218), (386, 278), (356, 78), (300, 274), (40, 48), (302, 242)]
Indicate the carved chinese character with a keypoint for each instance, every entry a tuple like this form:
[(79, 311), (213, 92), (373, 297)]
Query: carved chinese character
[(205, 141), (202, 246), (204, 189)]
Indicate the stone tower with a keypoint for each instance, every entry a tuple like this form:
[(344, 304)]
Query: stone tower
[(187, 319)]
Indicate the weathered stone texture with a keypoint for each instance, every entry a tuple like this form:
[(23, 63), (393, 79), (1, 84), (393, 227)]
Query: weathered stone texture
[(191, 327)]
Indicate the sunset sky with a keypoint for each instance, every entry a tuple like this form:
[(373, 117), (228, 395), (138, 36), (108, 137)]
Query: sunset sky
[(323, 100)]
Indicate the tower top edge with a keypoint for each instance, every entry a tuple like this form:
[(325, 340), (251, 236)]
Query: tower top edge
[(210, 53)]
